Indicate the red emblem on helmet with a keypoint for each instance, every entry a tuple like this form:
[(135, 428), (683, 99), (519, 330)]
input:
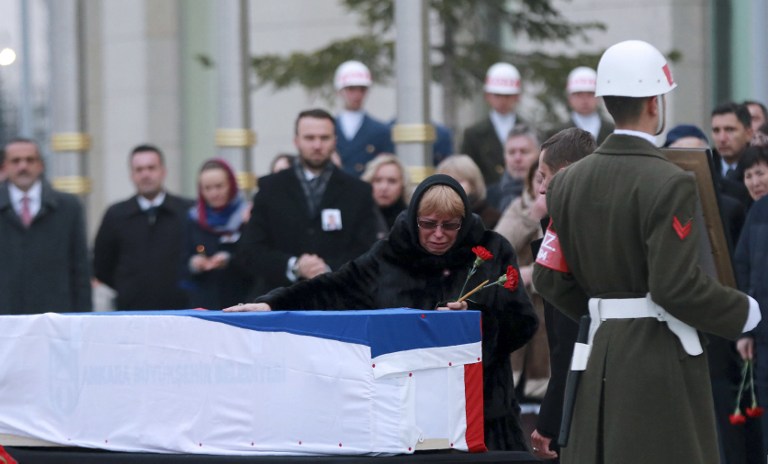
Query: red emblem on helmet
[(668, 73)]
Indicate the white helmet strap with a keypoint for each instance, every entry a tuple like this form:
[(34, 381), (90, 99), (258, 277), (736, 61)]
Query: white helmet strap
[(661, 102)]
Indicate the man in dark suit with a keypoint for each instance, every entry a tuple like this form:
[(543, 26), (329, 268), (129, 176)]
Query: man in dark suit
[(138, 245), (359, 137), (43, 251), (557, 153), (731, 133), (484, 140), (309, 219)]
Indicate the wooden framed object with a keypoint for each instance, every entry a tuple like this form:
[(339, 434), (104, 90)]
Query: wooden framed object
[(714, 257)]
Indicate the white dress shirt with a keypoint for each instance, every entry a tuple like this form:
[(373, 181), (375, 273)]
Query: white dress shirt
[(350, 122), (35, 195), (503, 123)]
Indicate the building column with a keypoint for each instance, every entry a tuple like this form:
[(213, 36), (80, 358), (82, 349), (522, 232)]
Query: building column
[(69, 141), (234, 136), (414, 133), (759, 68)]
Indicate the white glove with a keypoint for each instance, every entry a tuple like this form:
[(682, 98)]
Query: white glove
[(754, 316)]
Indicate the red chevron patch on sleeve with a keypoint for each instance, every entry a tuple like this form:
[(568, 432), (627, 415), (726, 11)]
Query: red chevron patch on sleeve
[(681, 230)]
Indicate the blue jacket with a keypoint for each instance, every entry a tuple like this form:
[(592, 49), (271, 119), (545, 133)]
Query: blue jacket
[(373, 137)]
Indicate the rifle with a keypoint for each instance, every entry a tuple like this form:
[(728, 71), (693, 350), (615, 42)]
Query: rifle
[(572, 382)]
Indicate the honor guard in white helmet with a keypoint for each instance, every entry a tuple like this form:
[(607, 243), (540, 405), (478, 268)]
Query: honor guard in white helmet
[(484, 140), (635, 69), (352, 74), (502, 79), (359, 137), (580, 90), (622, 253)]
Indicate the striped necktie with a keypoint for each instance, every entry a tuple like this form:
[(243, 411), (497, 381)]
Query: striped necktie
[(26, 213)]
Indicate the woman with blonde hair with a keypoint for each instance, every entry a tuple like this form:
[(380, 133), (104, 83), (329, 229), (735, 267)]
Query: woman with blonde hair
[(423, 263), (467, 173), (389, 181)]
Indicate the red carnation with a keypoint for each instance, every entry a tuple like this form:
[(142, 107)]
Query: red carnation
[(482, 253), (737, 418), (513, 279), (747, 380), (510, 280)]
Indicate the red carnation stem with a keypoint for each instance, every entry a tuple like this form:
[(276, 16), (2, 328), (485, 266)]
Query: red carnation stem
[(481, 255), (744, 369), (752, 383), (473, 291), (469, 276)]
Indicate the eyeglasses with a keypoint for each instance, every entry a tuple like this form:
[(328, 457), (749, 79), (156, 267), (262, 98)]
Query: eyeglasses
[(432, 225)]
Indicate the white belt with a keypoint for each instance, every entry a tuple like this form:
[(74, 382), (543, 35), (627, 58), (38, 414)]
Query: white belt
[(633, 308)]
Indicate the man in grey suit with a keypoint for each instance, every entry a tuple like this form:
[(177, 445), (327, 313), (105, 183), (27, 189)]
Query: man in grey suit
[(43, 247)]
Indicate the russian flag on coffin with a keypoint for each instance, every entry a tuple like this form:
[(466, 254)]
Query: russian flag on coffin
[(299, 382)]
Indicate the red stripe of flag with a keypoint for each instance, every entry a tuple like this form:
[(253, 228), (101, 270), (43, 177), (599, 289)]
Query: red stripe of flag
[(473, 398), (6, 458)]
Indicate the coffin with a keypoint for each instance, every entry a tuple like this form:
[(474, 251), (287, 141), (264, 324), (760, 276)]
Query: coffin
[(376, 382)]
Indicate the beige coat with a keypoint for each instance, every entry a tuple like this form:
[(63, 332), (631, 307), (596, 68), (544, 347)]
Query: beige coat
[(532, 360)]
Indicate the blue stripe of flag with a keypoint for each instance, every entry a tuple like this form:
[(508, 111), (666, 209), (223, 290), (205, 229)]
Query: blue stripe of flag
[(384, 330)]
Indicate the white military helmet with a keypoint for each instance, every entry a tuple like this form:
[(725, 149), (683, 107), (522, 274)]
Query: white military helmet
[(581, 79), (503, 79), (633, 68), (352, 73)]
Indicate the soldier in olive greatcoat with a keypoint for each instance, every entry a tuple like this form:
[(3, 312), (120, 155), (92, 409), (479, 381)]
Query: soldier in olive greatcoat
[(623, 242)]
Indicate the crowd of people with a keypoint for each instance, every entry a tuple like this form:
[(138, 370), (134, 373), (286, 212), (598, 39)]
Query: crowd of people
[(338, 226)]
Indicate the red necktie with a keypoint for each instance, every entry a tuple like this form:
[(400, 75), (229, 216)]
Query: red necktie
[(26, 214)]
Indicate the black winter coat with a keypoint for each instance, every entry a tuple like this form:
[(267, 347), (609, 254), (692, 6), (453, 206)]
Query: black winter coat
[(281, 226), (398, 272), (139, 257)]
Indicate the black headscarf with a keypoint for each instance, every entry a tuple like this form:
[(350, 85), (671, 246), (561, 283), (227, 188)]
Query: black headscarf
[(404, 237)]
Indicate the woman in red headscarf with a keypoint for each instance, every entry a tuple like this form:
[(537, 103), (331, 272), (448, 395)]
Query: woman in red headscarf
[(213, 230)]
